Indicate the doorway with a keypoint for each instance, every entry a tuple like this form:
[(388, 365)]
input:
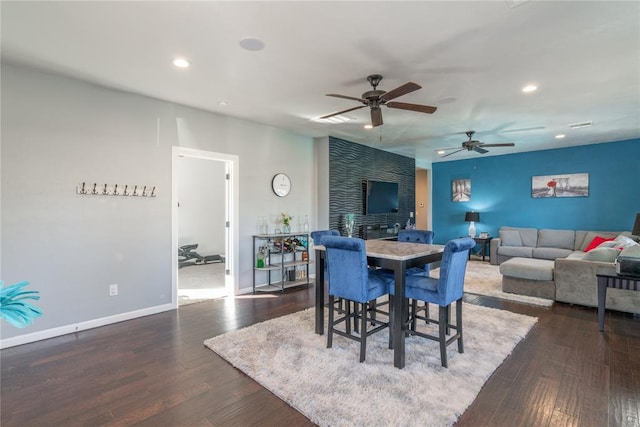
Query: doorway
[(204, 225)]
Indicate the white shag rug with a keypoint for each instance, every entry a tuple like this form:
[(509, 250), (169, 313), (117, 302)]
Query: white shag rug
[(331, 388), (483, 278)]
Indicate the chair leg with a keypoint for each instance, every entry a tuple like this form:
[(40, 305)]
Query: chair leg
[(391, 322), (356, 313), (347, 312), (331, 315), (363, 332), (414, 312), (459, 325), (372, 310), (448, 319), (443, 326), (426, 313)]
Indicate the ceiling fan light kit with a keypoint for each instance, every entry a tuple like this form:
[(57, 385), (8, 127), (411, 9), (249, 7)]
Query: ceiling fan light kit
[(376, 98)]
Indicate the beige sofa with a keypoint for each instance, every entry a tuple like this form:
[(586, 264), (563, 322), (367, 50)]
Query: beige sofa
[(574, 272)]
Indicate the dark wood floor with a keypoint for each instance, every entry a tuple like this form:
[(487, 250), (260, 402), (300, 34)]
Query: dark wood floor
[(155, 371)]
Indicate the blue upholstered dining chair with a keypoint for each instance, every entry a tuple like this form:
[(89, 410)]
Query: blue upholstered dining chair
[(319, 234), (417, 236), (449, 287), (317, 240), (350, 278)]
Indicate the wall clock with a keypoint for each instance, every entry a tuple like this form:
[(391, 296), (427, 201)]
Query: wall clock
[(281, 184)]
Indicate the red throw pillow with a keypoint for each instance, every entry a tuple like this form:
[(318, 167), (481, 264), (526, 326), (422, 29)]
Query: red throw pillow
[(596, 242)]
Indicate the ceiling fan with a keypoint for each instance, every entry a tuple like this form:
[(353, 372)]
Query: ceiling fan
[(375, 98), (475, 145)]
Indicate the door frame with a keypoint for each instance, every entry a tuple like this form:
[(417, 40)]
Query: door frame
[(232, 216)]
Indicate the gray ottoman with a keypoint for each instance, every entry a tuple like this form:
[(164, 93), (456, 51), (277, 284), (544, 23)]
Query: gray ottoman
[(528, 276)]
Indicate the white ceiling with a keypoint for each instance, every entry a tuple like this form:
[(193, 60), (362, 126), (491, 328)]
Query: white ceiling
[(583, 55)]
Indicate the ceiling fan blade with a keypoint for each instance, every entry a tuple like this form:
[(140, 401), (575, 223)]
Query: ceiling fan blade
[(335, 95), (506, 144), (376, 117), (343, 111), (453, 152), (399, 91), (480, 150), (413, 107)]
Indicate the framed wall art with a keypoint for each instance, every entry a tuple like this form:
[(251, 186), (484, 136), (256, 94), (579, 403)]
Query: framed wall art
[(567, 185), (461, 190)]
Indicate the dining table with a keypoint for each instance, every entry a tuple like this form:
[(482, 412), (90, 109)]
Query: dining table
[(392, 255)]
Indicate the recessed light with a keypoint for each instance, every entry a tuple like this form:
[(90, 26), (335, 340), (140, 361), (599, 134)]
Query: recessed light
[(252, 44), (580, 125), (334, 119), (368, 126), (447, 100), (529, 88), (560, 136), (181, 63), (223, 103), (441, 152)]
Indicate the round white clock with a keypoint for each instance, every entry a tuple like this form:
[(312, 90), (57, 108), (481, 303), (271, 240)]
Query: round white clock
[(281, 184)]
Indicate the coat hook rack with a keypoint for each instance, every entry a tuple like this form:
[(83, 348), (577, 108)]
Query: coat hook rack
[(136, 190)]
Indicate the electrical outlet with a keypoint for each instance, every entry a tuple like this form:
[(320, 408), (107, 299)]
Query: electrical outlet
[(113, 290)]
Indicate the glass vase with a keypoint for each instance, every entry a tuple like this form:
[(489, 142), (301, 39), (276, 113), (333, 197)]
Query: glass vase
[(350, 223)]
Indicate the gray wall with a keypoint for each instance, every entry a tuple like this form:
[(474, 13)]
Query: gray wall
[(57, 132)]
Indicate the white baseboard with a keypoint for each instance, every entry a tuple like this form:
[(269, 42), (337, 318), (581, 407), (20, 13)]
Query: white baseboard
[(83, 326)]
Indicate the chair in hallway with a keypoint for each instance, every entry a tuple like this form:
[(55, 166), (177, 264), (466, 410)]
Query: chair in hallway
[(350, 278), (449, 287)]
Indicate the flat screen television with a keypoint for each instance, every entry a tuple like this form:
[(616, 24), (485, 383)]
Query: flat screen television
[(381, 197)]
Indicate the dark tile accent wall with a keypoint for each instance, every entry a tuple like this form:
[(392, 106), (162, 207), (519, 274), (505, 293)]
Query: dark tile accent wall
[(350, 166)]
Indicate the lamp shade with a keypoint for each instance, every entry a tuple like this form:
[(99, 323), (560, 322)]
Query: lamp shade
[(636, 225), (474, 216)]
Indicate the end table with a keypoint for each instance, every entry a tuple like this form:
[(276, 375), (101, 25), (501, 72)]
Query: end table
[(612, 281), (484, 243)]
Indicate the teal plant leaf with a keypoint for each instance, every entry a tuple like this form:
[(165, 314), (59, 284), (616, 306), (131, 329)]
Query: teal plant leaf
[(13, 305)]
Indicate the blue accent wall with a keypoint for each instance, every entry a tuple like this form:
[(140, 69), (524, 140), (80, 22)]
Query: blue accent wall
[(501, 190)]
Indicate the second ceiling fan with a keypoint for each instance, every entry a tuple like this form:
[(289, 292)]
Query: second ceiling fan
[(475, 145), (375, 98)]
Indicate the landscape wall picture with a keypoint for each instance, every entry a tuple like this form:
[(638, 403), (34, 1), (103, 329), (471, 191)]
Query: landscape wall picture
[(561, 185)]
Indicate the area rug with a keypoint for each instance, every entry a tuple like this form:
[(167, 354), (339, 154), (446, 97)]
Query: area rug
[(331, 388), (483, 278)]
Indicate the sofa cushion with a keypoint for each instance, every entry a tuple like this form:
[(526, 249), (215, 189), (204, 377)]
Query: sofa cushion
[(631, 251), (510, 238), (608, 244), (576, 255), (624, 241), (550, 253), (596, 242), (515, 251), (583, 238), (602, 255), (563, 239), (528, 268), (529, 236)]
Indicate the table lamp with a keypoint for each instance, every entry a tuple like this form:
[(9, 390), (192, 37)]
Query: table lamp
[(472, 217)]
